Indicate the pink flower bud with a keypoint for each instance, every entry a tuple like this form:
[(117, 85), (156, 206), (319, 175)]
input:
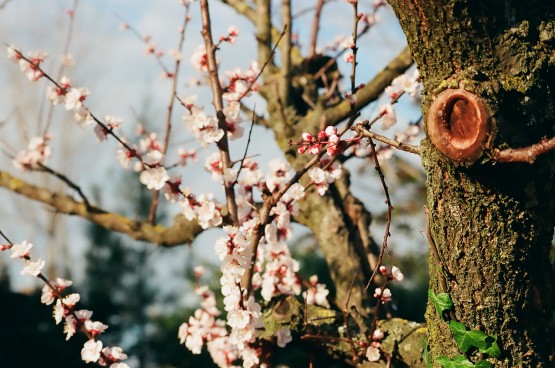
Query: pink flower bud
[(307, 137), (331, 130)]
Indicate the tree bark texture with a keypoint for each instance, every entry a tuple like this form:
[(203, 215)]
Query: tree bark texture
[(492, 223)]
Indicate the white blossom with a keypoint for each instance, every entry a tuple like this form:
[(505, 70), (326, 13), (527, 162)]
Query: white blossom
[(33, 268), (373, 354), (91, 351), (283, 337), (154, 178)]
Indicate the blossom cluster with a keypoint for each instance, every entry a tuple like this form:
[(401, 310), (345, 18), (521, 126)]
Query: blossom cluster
[(37, 153), (204, 327), (232, 34), (65, 310), (324, 174), (383, 293), (325, 138), (373, 351), (275, 271)]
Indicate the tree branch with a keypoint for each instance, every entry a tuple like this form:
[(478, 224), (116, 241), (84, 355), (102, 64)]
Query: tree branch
[(285, 66), (243, 8), (264, 31), (175, 78), (315, 28), (181, 232), (525, 154)]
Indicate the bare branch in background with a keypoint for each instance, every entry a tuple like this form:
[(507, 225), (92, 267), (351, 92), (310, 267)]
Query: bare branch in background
[(285, 67), (315, 29), (181, 232), (372, 90), (4, 3)]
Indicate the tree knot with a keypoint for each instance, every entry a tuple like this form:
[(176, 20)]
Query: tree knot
[(458, 124)]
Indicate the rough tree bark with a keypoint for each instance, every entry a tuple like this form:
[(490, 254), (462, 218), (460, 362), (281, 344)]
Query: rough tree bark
[(492, 223)]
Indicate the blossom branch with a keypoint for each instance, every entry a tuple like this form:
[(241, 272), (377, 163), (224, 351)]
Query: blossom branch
[(525, 154), (65, 309), (264, 217), (149, 47), (352, 98), (217, 93), (166, 142), (108, 130)]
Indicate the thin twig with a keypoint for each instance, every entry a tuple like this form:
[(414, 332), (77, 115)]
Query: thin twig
[(319, 337), (417, 150), (247, 146), (5, 237), (175, 76), (61, 69), (268, 60), (389, 211), (145, 40), (308, 9), (68, 181)]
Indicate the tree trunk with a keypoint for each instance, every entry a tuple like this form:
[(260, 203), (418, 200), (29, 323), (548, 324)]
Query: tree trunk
[(492, 223)]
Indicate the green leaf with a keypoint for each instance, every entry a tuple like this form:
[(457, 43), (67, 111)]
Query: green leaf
[(442, 302), (483, 364), (492, 348), (457, 362), (468, 339)]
